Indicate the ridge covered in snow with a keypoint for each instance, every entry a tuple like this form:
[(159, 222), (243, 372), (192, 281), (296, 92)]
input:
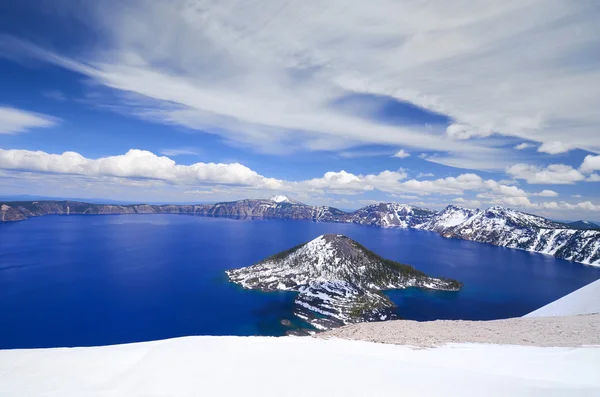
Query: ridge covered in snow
[(585, 300), (284, 199), (337, 278), (513, 229), (450, 216), (391, 215)]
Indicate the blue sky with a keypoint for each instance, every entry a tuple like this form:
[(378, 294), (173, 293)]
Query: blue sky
[(471, 104)]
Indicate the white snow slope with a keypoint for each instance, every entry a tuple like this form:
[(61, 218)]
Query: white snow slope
[(585, 300), (279, 198), (261, 366)]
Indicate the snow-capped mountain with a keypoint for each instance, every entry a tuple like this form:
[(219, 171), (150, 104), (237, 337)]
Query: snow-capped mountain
[(337, 278), (513, 229), (391, 215), (449, 217), (284, 199)]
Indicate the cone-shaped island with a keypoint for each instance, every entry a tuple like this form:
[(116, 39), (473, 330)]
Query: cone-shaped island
[(339, 281)]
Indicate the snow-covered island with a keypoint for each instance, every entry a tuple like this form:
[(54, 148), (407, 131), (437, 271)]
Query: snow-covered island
[(337, 278)]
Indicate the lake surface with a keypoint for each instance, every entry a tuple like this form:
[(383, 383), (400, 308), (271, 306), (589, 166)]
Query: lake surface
[(96, 280)]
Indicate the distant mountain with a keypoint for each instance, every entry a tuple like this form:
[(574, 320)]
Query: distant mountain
[(391, 215), (496, 225), (285, 199), (584, 225), (337, 278), (449, 217)]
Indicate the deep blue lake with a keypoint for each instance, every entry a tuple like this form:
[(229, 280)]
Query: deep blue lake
[(96, 280)]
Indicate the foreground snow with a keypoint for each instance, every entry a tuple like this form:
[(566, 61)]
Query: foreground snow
[(259, 366), (585, 300)]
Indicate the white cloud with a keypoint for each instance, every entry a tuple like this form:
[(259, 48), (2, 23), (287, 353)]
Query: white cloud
[(557, 174), (14, 121), (256, 73), (402, 154), (343, 182), (472, 161), (135, 164), (179, 152), (593, 178), (425, 175), (554, 147), (523, 146), (546, 193), (143, 174), (463, 131), (560, 206), (590, 163), (584, 205), (467, 203)]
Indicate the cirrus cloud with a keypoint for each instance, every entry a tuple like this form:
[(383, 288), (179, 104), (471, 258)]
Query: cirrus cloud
[(258, 74), (14, 121)]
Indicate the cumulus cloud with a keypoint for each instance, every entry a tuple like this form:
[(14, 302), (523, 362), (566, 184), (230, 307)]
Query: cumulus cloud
[(546, 193), (135, 164), (14, 121), (347, 183), (402, 154), (590, 163), (146, 173), (143, 165), (467, 203), (554, 147), (557, 174)]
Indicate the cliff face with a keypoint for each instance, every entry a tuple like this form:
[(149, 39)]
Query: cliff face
[(337, 278), (20, 210), (496, 225)]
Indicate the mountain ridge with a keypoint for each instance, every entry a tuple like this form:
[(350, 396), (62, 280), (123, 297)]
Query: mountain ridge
[(496, 225)]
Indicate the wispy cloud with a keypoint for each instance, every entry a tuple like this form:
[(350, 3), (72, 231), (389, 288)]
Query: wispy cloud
[(524, 145), (179, 152), (425, 175), (266, 75), (14, 121)]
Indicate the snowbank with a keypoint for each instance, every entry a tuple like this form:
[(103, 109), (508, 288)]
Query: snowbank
[(259, 366), (585, 300)]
